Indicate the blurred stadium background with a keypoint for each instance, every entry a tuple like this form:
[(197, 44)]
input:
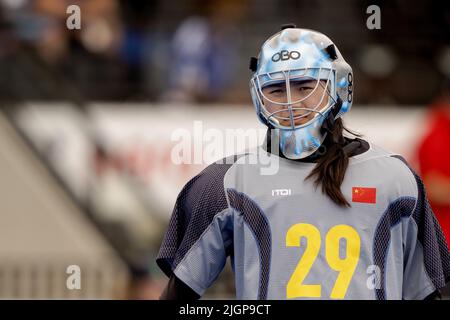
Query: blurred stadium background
[(86, 118)]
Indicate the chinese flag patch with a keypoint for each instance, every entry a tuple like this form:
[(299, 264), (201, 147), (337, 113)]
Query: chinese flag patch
[(364, 195)]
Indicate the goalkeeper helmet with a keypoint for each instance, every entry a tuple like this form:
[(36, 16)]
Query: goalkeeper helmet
[(287, 59)]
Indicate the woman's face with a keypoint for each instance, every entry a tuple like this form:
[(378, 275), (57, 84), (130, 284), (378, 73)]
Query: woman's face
[(317, 98)]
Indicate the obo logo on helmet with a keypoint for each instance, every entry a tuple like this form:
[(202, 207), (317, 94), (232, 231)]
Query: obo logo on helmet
[(285, 55)]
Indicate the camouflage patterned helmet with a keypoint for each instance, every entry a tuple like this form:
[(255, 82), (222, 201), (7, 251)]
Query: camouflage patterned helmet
[(298, 54)]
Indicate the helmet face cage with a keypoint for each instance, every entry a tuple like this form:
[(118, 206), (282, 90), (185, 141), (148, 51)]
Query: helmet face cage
[(295, 54), (259, 82)]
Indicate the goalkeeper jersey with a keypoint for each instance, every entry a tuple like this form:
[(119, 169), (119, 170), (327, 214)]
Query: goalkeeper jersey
[(288, 240)]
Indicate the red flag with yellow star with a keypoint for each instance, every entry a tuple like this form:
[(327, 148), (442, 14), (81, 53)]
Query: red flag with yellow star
[(364, 195)]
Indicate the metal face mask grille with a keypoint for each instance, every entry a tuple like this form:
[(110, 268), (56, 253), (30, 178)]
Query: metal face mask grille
[(289, 113)]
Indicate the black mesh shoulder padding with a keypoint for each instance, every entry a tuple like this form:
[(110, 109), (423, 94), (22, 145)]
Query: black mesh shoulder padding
[(402, 207), (430, 235), (435, 249), (196, 205), (255, 218)]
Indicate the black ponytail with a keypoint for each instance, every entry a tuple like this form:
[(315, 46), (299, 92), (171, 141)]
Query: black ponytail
[(332, 165)]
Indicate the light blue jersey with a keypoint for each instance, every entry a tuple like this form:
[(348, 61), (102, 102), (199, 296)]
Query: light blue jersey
[(287, 240)]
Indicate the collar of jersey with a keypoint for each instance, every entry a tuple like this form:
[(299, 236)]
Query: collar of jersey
[(356, 147)]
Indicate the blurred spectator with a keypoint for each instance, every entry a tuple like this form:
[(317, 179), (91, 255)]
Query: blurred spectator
[(138, 48), (121, 52), (434, 159), (47, 61), (205, 53)]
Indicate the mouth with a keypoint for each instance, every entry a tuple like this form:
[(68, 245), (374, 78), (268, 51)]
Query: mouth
[(299, 119), (297, 122)]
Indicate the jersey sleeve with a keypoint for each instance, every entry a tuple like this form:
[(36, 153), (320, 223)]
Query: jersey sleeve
[(199, 236), (426, 255)]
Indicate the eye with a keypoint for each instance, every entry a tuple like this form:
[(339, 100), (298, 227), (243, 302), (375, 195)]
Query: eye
[(275, 91), (305, 88)]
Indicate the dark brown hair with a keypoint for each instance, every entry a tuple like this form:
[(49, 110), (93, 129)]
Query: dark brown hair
[(331, 167)]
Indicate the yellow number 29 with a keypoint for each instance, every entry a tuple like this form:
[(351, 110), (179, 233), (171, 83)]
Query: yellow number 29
[(346, 267)]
